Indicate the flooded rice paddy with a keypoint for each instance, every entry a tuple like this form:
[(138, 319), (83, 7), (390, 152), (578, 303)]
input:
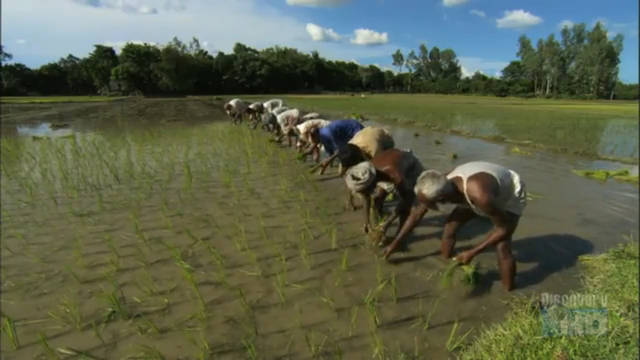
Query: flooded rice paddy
[(159, 231)]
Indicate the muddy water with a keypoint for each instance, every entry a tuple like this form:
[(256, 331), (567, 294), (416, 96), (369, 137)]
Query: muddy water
[(567, 217), (58, 244)]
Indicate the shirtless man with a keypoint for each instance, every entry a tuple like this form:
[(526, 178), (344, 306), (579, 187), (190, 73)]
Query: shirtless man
[(236, 109), (364, 145), (371, 179), (480, 189)]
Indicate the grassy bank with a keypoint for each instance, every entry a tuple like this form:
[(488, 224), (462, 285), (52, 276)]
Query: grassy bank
[(55, 99), (613, 275), (599, 129)]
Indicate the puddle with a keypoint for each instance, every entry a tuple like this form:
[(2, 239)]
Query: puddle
[(44, 130)]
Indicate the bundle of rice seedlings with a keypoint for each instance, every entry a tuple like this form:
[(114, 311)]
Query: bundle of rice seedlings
[(376, 237), (468, 274)]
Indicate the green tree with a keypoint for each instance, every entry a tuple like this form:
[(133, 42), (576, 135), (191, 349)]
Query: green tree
[(4, 56), (17, 79), (529, 59), (398, 59), (100, 63), (135, 71), (79, 80)]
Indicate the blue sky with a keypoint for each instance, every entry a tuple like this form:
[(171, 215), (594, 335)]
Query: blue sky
[(483, 33)]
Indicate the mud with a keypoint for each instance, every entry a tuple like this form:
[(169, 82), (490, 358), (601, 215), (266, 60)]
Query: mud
[(152, 196)]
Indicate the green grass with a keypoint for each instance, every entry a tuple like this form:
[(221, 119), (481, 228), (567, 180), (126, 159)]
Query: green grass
[(588, 128), (614, 275), (55, 99), (604, 175)]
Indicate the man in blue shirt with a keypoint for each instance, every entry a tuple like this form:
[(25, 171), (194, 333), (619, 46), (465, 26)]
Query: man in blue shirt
[(334, 136)]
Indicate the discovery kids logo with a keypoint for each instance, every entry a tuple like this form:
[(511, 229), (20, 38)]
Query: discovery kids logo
[(573, 315)]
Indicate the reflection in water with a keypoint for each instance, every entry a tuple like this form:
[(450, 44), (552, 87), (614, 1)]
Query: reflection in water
[(620, 139), (477, 127), (42, 129)]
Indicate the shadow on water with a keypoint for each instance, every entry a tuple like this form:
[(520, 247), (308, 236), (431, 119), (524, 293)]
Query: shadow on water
[(551, 253)]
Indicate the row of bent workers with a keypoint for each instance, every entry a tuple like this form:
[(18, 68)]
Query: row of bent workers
[(373, 168)]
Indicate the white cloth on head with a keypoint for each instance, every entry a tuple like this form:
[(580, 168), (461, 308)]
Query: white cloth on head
[(310, 116), (238, 107), (279, 110), (305, 128), (360, 176), (288, 119), (272, 104), (256, 106)]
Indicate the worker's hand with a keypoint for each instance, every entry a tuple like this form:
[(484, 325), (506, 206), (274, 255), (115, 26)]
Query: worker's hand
[(323, 167), (464, 257), (387, 252)]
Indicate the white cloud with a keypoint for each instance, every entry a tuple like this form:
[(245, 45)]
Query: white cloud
[(369, 37), (627, 29), (515, 19), (478, 13), (465, 73), (222, 23), (21, 41), (318, 33), (566, 23), (450, 3), (471, 64), (316, 3), (143, 7)]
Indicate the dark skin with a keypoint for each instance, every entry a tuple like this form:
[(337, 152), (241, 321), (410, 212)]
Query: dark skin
[(254, 116), (237, 116), (482, 190), (388, 168), (314, 147)]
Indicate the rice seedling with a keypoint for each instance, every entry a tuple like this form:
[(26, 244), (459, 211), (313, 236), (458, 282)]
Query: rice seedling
[(187, 274), (424, 319), (371, 304), (394, 287), (453, 342), (241, 240), (50, 353), (73, 274), (256, 262), (344, 262), (9, 330), (249, 343), (117, 307), (334, 238), (469, 274), (68, 314), (137, 230), (315, 343), (188, 180), (97, 331), (327, 299), (379, 350), (149, 352), (280, 284), (145, 326), (353, 319), (243, 301), (306, 259)]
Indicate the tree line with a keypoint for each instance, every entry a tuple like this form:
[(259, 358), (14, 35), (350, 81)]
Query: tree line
[(584, 64)]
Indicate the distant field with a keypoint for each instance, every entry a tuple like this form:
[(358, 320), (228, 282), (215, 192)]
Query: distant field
[(600, 129), (55, 99)]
